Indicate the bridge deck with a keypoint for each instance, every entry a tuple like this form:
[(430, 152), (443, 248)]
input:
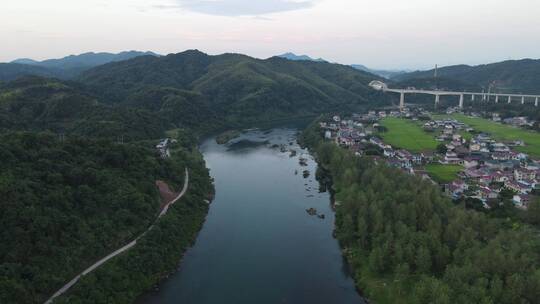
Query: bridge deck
[(455, 93)]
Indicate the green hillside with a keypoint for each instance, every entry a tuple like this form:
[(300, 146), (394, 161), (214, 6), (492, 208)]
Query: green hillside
[(11, 71), (65, 204), (231, 89), (38, 104)]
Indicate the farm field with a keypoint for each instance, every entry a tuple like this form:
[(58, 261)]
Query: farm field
[(406, 134), (443, 173), (502, 132)]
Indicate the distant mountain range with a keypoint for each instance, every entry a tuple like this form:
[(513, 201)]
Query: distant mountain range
[(64, 68), (389, 74), (294, 57), (517, 76), (512, 76), (383, 73)]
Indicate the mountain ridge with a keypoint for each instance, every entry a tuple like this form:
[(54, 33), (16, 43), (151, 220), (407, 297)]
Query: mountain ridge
[(64, 68), (233, 83), (293, 56)]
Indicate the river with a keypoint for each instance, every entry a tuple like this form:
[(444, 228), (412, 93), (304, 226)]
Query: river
[(258, 244)]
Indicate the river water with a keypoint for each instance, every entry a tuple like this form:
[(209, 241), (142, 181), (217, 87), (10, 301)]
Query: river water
[(258, 244)]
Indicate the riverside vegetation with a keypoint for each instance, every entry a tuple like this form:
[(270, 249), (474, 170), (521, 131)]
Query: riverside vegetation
[(67, 203), (407, 243)]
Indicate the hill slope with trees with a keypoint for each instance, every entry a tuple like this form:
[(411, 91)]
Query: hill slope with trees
[(39, 104), (238, 89), (67, 203), (12, 71)]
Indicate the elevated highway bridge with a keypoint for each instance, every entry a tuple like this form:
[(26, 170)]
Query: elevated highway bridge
[(523, 98)]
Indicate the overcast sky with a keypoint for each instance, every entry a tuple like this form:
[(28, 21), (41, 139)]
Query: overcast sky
[(379, 34)]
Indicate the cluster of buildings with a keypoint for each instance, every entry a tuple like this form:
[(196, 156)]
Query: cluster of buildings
[(489, 166), (518, 121), (163, 147)]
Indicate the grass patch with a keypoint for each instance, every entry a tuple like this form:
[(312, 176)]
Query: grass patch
[(408, 135), (466, 135), (502, 132), (443, 173)]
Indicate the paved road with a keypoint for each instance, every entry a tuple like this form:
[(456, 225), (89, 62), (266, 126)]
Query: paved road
[(123, 249)]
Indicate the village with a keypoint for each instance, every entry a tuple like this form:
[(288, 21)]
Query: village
[(487, 170)]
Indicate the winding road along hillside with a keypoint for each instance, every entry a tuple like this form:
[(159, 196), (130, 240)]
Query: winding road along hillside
[(123, 249)]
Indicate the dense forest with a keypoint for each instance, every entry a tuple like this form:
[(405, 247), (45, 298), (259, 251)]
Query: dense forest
[(156, 255), (68, 201), (407, 243), (43, 104)]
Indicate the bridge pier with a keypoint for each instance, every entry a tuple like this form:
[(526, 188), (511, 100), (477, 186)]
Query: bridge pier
[(485, 96)]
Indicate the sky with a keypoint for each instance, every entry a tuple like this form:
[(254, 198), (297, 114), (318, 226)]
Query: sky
[(385, 34)]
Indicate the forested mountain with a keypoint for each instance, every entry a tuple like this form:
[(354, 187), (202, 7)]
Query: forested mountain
[(518, 76), (85, 60), (11, 71), (293, 56), (189, 89), (236, 88), (35, 103), (64, 68)]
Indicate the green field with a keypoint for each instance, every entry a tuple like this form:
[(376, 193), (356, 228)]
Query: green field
[(502, 132), (443, 173), (408, 135)]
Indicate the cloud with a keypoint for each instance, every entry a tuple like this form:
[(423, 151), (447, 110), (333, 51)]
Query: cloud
[(242, 7)]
